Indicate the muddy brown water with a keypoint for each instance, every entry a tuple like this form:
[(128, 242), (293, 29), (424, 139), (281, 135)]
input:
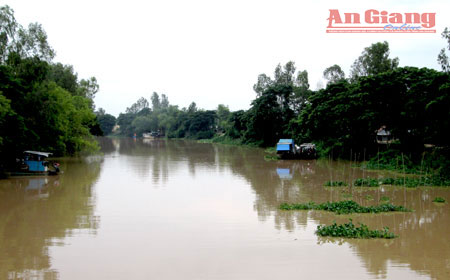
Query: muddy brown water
[(182, 210)]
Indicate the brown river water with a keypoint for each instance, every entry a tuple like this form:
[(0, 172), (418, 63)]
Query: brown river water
[(155, 209)]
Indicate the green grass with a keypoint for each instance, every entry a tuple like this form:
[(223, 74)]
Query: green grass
[(344, 207), (349, 230), (439, 199), (335, 184), (368, 197), (384, 198)]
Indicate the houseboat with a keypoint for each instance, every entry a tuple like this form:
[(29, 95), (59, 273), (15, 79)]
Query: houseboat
[(286, 149), (35, 163)]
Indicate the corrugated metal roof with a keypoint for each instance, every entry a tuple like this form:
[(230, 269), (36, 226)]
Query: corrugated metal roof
[(283, 147), (286, 141), (45, 154)]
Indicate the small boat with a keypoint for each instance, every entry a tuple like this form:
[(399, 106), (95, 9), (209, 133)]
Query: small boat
[(35, 163), (286, 149), (151, 135)]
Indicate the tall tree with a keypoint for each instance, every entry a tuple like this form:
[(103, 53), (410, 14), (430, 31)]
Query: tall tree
[(138, 106), (31, 42), (373, 60), (156, 103), (334, 74), (88, 88), (164, 101), (192, 108), (442, 57), (262, 84)]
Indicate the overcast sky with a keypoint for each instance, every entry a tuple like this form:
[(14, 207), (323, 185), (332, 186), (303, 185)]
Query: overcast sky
[(211, 52)]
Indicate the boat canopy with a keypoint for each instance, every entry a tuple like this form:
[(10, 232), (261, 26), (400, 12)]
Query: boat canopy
[(44, 154), (283, 147), (286, 141)]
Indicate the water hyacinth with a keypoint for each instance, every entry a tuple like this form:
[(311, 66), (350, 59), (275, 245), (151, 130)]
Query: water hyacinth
[(335, 184), (349, 230), (344, 207)]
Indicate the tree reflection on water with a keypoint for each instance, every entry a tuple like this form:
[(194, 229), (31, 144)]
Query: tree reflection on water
[(38, 212)]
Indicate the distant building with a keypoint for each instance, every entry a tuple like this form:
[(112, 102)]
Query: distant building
[(116, 128), (384, 136)]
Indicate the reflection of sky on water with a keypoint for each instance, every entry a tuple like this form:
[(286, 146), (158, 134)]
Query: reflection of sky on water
[(38, 212), (211, 211), (302, 181)]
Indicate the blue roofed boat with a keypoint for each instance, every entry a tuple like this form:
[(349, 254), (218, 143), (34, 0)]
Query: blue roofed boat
[(35, 163), (286, 148)]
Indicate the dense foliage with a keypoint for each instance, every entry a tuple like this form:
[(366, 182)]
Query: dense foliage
[(43, 105), (341, 119)]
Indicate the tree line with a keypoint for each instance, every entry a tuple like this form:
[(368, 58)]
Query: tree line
[(412, 103), (43, 104)]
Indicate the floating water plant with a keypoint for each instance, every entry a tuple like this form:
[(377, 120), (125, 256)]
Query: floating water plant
[(439, 199), (344, 207), (409, 182), (349, 230), (412, 182), (366, 182), (335, 184)]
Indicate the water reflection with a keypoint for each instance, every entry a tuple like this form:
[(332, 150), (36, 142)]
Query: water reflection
[(423, 243), (303, 181), (218, 211), (38, 212)]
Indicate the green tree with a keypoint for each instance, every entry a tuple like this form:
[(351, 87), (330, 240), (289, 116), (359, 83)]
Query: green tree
[(442, 57), (334, 74), (31, 42), (156, 103), (373, 60), (64, 76), (38, 107), (164, 102), (138, 106), (411, 102), (106, 121), (223, 114), (201, 124), (268, 118), (88, 88), (192, 108)]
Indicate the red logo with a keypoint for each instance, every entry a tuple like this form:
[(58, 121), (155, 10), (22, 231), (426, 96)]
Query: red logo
[(374, 21)]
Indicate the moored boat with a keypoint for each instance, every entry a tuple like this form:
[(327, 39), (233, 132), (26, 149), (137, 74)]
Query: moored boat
[(35, 163)]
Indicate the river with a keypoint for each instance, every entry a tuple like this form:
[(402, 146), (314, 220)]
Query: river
[(156, 209)]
